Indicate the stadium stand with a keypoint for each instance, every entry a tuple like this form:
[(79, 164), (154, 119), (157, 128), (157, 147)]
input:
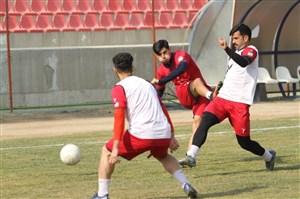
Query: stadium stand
[(143, 5), (75, 22), (53, 6), (37, 6), (115, 15), (121, 21), (91, 22), (68, 6), (84, 6), (13, 23), (136, 21), (185, 4), (191, 16), (128, 5), (43, 23), (198, 4), (27, 23), (21, 6), (106, 20), (165, 19), (114, 5), (59, 22), (172, 5), (3, 7), (180, 19), (159, 5), (148, 19)]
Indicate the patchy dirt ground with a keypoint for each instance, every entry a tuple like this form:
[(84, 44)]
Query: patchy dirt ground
[(63, 121)]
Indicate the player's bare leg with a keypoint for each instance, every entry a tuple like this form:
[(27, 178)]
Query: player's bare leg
[(197, 88)]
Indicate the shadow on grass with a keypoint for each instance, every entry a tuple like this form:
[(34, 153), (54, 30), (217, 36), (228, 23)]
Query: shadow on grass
[(218, 194), (231, 192)]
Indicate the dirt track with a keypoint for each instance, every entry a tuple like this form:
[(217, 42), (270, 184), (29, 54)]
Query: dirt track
[(22, 124)]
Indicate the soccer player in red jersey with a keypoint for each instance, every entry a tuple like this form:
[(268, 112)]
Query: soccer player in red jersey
[(191, 88), (149, 128), (234, 99)]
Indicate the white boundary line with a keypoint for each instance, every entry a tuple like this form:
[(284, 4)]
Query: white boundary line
[(177, 136)]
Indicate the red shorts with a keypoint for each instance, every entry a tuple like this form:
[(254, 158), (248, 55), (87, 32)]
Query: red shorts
[(131, 146), (186, 99), (237, 113)]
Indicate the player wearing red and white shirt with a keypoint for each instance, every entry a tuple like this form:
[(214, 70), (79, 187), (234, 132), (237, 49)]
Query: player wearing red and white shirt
[(191, 88), (234, 98), (149, 128)]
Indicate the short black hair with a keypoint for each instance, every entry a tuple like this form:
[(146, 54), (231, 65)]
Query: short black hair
[(244, 30), (160, 44), (123, 62)]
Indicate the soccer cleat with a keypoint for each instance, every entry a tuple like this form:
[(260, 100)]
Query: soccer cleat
[(216, 91), (190, 191), (188, 161), (270, 164), (98, 197)]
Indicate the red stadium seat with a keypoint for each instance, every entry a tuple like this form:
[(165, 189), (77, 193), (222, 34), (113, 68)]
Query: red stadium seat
[(165, 19), (106, 20), (113, 5), (171, 5), (128, 5), (37, 6), (75, 22), (98, 5), (90, 22), (53, 6), (121, 21), (59, 21), (3, 7), (185, 4), (68, 6), (159, 5), (180, 19), (143, 5), (136, 20), (21, 6), (190, 18), (84, 6), (27, 23), (148, 19), (198, 4), (43, 23), (13, 23)]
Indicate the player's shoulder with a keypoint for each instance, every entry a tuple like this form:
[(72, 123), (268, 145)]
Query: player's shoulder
[(251, 47)]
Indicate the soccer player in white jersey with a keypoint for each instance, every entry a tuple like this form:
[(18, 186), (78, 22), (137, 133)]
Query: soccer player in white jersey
[(234, 99), (150, 128)]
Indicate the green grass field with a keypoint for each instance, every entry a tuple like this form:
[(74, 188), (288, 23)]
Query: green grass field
[(31, 168)]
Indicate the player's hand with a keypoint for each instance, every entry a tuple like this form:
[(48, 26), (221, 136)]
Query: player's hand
[(174, 145), (154, 81), (113, 158), (222, 43)]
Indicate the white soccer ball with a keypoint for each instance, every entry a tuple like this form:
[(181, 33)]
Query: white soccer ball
[(70, 154)]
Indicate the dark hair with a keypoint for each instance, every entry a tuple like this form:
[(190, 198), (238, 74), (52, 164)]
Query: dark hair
[(160, 44), (123, 62), (244, 30)]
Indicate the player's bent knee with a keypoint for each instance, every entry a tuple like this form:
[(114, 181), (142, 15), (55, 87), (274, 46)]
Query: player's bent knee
[(244, 142)]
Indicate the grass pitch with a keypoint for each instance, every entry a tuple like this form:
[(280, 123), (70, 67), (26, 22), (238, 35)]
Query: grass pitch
[(31, 168)]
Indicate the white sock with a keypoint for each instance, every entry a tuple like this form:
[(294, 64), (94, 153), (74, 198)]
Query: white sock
[(267, 156), (208, 93), (103, 186), (193, 151), (180, 177)]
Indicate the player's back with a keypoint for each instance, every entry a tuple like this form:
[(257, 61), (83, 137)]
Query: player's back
[(144, 113)]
